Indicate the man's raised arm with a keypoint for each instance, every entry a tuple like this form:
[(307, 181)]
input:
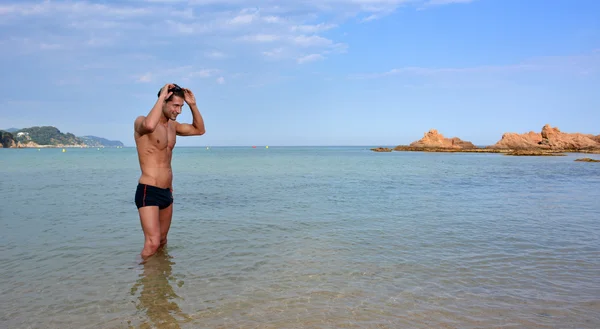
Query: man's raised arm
[(197, 126), (144, 125)]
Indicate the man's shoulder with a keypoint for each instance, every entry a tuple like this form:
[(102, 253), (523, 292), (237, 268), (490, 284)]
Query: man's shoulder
[(137, 123)]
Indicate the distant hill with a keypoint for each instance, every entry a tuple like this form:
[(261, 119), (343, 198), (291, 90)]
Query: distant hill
[(99, 141), (49, 136)]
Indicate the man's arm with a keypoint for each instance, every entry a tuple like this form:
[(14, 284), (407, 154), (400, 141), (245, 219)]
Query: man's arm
[(197, 125), (147, 124)]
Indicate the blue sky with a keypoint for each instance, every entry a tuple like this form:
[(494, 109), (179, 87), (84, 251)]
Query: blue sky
[(328, 72)]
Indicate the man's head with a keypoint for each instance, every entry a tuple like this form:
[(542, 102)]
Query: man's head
[(174, 103)]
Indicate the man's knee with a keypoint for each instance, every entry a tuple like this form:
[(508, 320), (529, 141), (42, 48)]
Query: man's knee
[(151, 245)]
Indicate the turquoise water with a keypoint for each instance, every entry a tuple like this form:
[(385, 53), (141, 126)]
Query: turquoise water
[(294, 237)]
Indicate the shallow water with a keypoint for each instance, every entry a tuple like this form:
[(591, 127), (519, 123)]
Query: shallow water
[(337, 237)]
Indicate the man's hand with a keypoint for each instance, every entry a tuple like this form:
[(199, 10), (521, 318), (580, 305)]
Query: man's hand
[(165, 93), (189, 97)]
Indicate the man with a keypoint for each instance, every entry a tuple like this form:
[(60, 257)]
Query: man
[(155, 137)]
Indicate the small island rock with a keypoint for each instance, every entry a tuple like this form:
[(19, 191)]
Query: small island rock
[(381, 149)]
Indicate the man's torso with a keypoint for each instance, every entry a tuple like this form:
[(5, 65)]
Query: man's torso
[(154, 154)]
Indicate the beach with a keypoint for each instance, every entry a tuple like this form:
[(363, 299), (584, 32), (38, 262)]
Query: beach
[(302, 237)]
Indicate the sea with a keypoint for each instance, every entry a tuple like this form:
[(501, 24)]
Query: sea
[(302, 237)]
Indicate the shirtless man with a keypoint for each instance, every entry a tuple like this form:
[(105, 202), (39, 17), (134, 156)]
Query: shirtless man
[(155, 137)]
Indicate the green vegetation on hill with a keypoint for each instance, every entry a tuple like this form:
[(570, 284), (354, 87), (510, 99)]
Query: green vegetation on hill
[(49, 135)]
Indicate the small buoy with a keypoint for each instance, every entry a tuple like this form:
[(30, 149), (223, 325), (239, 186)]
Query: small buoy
[(253, 147), (267, 146), (64, 150), (207, 147)]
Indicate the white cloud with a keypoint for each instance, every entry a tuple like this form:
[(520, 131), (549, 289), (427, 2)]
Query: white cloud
[(214, 54), (204, 29), (273, 19), (204, 73), (274, 53), (446, 2), (180, 73), (313, 28), (147, 77), (242, 19), (310, 58), (434, 3), (184, 28), (78, 8), (220, 80), (584, 64), (260, 38), (165, 1), (370, 18), (311, 41)]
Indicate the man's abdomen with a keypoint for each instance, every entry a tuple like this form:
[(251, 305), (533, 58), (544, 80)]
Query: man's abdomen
[(157, 176)]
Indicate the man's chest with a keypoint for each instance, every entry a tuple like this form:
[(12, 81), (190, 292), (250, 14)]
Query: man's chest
[(164, 137)]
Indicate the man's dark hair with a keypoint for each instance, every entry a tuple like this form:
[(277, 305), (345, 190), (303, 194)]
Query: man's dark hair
[(176, 91)]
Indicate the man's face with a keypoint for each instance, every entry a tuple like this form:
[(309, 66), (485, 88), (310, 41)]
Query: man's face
[(172, 108)]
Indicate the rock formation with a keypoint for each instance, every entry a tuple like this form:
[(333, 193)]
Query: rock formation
[(549, 142), (381, 149), (434, 140), (534, 153), (31, 144), (516, 141), (556, 139), (587, 160), (550, 139)]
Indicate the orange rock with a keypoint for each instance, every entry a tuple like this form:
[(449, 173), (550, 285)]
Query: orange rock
[(556, 139), (516, 141), (549, 139), (433, 139)]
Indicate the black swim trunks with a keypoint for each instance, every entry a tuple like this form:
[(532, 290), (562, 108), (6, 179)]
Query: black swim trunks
[(148, 195)]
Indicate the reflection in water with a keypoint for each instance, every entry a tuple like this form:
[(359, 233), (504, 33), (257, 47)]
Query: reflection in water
[(157, 296)]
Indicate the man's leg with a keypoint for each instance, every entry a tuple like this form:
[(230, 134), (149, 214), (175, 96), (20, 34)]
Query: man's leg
[(165, 216), (149, 218)]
